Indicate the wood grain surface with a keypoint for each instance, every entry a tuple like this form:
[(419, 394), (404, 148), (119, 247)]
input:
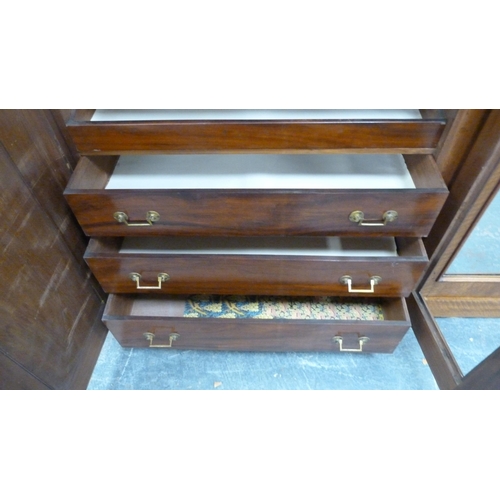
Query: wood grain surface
[(417, 136), (256, 274), (50, 330)]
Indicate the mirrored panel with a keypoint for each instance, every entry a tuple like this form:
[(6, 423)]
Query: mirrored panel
[(480, 254), (471, 340)]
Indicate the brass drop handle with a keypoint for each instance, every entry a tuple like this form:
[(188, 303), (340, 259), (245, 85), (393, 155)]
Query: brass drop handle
[(151, 336), (162, 277), (359, 217), (347, 280), (362, 342), (151, 217)]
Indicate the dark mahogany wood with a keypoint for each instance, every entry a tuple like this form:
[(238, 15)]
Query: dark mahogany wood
[(229, 212), (462, 129), (34, 145), (50, 305), (256, 274), (438, 354), (14, 376), (412, 136), (128, 321)]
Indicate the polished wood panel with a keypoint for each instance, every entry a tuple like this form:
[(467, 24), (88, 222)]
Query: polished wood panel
[(229, 212), (412, 136), (256, 274), (15, 377), (30, 138), (249, 334), (246, 213), (50, 307)]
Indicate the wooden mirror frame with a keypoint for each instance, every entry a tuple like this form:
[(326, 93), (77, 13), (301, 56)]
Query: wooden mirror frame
[(469, 159)]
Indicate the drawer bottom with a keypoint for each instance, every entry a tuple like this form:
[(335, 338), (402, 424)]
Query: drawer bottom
[(273, 324)]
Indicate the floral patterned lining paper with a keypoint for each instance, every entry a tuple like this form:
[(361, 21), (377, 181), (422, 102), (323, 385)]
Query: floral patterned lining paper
[(299, 308)]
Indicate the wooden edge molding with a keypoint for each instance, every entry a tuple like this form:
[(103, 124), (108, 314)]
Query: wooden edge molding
[(441, 361), (458, 137)]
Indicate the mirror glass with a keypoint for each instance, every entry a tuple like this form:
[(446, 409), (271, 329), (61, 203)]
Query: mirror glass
[(481, 252)]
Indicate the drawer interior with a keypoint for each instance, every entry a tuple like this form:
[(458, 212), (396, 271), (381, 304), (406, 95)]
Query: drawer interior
[(255, 308), (286, 246), (115, 115), (263, 172)]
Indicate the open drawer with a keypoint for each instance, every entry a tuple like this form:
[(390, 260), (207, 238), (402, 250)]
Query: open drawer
[(248, 323), (258, 266), (257, 195), (201, 131)]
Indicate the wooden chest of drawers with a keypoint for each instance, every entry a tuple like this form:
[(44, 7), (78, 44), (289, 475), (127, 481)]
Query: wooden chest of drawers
[(261, 208)]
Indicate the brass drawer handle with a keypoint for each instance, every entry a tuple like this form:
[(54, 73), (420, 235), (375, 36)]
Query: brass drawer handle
[(162, 277), (359, 217), (347, 280), (362, 342), (150, 336), (151, 217)]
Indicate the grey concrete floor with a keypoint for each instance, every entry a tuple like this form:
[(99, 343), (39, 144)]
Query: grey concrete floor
[(471, 340)]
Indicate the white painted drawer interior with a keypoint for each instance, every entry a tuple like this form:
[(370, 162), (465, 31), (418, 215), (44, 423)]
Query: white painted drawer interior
[(303, 246), (105, 115), (250, 171)]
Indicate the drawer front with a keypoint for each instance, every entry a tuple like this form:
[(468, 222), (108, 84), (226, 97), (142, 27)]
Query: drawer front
[(156, 324), (236, 135), (246, 212), (256, 274), (190, 213)]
